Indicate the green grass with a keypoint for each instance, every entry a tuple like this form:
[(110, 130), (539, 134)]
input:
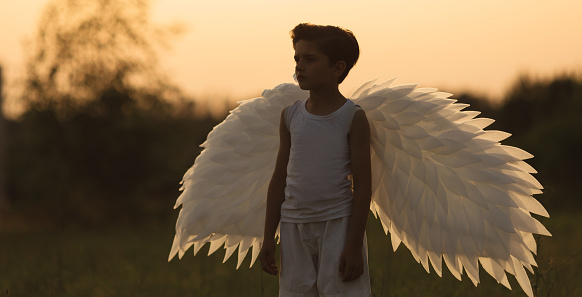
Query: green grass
[(131, 260)]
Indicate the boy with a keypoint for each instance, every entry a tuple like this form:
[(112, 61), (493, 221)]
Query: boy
[(323, 140)]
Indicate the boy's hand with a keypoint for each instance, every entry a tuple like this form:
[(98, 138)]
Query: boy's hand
[(267, 257), (351, 263)]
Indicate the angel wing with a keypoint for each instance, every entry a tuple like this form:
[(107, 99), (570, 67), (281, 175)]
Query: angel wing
[(442, 185), (446, 188), (224, 192)]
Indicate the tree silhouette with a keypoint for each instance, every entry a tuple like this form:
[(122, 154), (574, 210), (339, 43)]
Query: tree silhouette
[(544, 116), (103, 132), (84, 48), (4, 201)]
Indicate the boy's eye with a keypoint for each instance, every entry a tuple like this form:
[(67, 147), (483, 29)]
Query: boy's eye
[(308, 58)]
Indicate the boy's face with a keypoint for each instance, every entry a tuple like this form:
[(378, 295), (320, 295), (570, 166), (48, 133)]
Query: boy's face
[(312, 67)]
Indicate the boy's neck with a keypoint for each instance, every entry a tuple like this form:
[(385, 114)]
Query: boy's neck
[(324, 101), (326, 95)]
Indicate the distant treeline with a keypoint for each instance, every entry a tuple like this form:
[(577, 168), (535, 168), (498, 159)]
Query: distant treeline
[(116, 157), (122, 157)]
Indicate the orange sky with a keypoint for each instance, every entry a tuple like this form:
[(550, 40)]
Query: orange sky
[(237, 48)]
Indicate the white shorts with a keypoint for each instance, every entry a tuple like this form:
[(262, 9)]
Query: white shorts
[(310, 257)]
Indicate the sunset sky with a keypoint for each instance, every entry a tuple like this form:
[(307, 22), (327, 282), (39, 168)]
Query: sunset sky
[(234, 49)]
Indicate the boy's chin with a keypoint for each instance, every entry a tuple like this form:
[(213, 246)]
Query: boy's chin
[(304, 86)]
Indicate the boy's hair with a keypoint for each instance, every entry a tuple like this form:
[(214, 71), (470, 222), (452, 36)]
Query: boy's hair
[(338, 44)]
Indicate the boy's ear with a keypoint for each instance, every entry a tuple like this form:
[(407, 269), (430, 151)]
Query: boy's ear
[(339, 68)]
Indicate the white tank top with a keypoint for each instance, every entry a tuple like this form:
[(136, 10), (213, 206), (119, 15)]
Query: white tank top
[(318, 187)]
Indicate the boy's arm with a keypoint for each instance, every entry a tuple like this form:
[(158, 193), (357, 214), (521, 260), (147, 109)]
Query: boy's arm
[(275, 197), (352, 262)]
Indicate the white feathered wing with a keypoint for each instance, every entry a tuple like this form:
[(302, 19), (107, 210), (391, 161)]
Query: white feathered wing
[(442, 185), (446, 188), (224, 192)]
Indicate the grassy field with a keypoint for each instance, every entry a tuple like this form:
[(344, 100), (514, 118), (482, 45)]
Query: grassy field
[(130, 260)]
